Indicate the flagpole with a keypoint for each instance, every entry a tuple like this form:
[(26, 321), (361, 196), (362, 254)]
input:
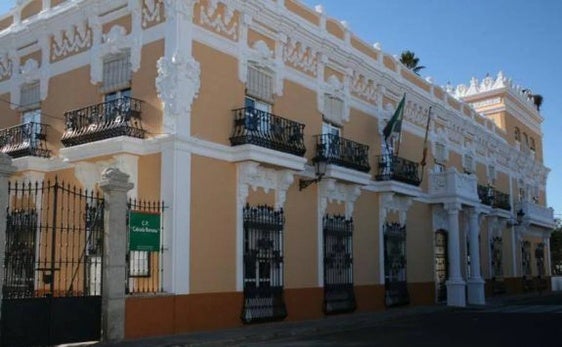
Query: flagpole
[(424, 155), (400, 131)]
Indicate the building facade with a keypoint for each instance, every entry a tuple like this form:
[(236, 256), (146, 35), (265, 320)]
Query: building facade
[(259, 126)]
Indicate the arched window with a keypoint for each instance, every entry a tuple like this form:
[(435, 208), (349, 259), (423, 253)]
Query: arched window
[(532, 145), (526, 139)]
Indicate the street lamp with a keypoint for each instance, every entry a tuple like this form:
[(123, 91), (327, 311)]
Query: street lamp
[(320, 166)]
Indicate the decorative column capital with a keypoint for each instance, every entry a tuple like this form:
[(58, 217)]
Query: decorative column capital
[(112, 179)]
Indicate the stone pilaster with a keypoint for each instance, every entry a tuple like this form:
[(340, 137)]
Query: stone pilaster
[(456, 295), (475, 283), (115, 185)]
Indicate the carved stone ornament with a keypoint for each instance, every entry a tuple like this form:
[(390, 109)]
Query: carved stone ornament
[(114, 42), (72, 40), (152, 12), (113, 179), (5, 66), (222, 23), (252, 175), (300, 56), (330, 191), (333, 87), (391, 202), (30, 71), (177, 84), (260, 55)]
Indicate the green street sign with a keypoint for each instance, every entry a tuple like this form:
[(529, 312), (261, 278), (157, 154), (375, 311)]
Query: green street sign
[(144, 231)]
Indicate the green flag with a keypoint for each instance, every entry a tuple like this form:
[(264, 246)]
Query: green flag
[(394, 125)]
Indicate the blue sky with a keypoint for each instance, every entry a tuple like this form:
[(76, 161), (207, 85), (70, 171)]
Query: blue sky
[(457, 40)]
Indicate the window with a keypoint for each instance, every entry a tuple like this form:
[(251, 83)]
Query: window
[(30, 97), (259, 84), (31, 120), (440, 157), (331, 139), (526, 140), (517, 134), (116, 72), (257, 116), (532, 144), (333, 109)]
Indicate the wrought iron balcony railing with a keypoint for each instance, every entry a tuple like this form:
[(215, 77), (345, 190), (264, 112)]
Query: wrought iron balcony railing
[(28, 139), (492, 197), (119, 117), (260, 128), (394, 168), (339, 151)]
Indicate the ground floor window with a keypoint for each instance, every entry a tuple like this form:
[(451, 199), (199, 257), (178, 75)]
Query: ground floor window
[(263, 264), (396, 287), (338, 264)]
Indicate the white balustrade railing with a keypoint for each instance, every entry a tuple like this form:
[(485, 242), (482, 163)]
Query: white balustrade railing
[(452, 183)]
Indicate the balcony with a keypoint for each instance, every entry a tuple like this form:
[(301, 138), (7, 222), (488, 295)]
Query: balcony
[(119, 117), (453, 186), (29, 139), (536, 214), (263, 129), (342, 152), (394, 168), (494, 198)]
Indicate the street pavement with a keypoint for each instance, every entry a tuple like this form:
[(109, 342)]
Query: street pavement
[(526, 320)]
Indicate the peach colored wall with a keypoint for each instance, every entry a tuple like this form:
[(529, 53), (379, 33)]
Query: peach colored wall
[(31, 9), (56, 2), (149, 177), (260, 197), (335, 28), (125, 22), (415, 79), (254, 37), (8, 117), (6, 22), (213, 240), (233, 22), (301, 238), (364, 48), (366, 260), (419, 243), (144, 88), (78, 93), (299, 104), (389, 62), (302, 11), (363, 129), (220, 92)]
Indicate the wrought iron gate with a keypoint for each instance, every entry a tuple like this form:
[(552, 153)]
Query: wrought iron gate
[(263, 264), (396, 287), (338, 264), (53, 265), (441, 265)]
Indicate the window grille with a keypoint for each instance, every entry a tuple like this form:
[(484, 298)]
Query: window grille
[(440, 153), (259, 84), (116, 72), (333, 109), (30, 96)]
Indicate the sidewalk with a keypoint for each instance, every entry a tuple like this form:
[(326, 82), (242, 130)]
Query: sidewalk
[(338, 323)]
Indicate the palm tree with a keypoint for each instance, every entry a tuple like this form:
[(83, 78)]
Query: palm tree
[(409, 59)]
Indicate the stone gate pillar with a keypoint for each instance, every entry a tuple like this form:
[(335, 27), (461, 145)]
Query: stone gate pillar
[(115, 185), (6, 170)]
